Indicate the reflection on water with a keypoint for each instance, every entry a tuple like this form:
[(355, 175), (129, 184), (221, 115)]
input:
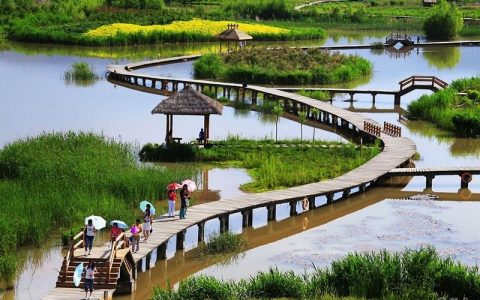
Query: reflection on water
[(458, 147), (444, 58)]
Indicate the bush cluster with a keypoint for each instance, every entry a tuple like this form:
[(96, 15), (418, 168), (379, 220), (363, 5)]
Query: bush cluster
[(282, 66), (444, 22)]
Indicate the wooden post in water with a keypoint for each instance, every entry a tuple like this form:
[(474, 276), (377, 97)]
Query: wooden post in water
[(346, 193), (329, 198), (201, 231), (181, 240), (272, 209), (428, 181), (162, 250), (293, 208), (311, 203), (223, 223), (247, 218)]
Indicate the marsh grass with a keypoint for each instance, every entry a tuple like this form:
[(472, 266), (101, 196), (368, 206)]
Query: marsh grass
[(412, 275), (451, 111), (282, 66), (50, 183), (80, 73), (319, 95), (279, 164), (221, 244)]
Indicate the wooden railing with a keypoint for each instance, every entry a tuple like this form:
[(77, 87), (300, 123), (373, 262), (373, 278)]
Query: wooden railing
[(372, 128), (412, 80), (398, 36), (392, 130), (119, 243), (74, 244)]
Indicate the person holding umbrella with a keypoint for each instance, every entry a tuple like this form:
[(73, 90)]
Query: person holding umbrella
[(89, 233), (89, 275), (147, 222), (171, 202)]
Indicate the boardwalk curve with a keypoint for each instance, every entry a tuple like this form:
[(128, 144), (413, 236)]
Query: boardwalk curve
[(396, 152)]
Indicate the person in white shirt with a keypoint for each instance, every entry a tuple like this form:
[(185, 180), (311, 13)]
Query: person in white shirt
[(90, 271), (89, 234)]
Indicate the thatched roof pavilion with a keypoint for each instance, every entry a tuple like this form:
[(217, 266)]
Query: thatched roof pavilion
[(232, 34), (188, 102)]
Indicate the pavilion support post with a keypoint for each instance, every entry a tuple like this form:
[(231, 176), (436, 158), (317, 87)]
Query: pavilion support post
[(167, 128), (206, 126)]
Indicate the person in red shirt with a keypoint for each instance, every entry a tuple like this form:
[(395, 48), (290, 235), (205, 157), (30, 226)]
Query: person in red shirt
[(115, 232)]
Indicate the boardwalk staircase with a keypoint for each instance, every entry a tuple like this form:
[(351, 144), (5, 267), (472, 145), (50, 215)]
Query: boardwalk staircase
[(115, 266)]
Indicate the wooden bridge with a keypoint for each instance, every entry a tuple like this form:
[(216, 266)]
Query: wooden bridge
[(119, 265), (406, 86), (465, 173), (395, 38)]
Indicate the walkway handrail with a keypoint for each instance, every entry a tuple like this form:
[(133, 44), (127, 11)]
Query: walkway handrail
[(113, 253), (433, 80), (71, 251)]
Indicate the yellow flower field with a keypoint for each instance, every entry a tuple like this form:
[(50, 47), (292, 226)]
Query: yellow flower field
[(192, 26)]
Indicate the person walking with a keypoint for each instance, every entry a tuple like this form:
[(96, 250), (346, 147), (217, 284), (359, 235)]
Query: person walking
[(184, 195), (147, 223), (171, 203), (89, 234), (135, 231), (114, 233), (90, 271)]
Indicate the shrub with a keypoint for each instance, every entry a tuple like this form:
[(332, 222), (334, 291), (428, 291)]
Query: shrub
[(444, 23), (174, 152), (276, 284)]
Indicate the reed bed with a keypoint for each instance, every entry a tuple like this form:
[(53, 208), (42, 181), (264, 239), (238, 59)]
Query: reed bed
[(221, 244), (282, 66), (55, 180), (459, 113), (81, 73), (412, 274)]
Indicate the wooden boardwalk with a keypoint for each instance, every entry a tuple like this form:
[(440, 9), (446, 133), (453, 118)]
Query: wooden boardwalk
[(465, 173), (396, 152)]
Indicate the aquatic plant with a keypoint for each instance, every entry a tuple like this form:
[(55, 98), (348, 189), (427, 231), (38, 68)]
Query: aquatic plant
[(53, 181), (221, 243), (282, 66), (81, 74), (412, 274)]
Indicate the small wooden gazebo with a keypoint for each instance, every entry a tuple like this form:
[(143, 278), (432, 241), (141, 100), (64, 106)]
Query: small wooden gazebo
[(188, 102), (232, 34)]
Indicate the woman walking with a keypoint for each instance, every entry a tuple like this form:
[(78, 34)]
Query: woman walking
[(89, 234), (135, 231), (171, 203), (184, 195), (147, 223), (89, 275)]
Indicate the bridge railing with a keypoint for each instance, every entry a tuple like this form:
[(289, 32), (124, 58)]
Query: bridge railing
[(75, 243), (416, 79), (118, 243), (372, 128), (392, 130), (398, 36)]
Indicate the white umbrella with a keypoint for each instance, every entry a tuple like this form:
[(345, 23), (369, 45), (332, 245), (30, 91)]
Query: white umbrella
[(191, 185), (98, 222)]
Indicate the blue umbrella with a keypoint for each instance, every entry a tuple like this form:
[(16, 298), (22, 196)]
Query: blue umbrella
[(77, 275), (121, 224), (143, 206)]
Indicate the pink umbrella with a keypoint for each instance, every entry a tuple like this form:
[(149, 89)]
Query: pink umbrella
[(174, 186), (191, 185)]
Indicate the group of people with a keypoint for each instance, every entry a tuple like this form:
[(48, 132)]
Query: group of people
[(136, 231)]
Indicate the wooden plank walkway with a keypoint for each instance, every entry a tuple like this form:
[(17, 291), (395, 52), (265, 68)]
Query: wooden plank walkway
[(435, 171), (76, 293), (396, 151)]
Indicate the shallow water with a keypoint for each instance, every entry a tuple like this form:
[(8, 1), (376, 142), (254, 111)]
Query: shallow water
[(35, 99)]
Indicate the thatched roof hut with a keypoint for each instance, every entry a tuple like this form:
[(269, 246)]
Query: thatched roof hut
[(188, 102), (232, 34)]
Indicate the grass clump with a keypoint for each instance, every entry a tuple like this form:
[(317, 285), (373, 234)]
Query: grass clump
[(444, 22), (223, 243), (319, 95), (80, 73), (450, 110), (53, 181), (282, 66), (412, 274)]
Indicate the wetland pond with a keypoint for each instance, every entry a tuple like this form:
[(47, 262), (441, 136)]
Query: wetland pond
[(36, 99)]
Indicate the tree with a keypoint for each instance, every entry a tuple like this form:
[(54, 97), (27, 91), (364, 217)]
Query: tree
[(444, 23), (315, 114), (302, 115), (277, 111)]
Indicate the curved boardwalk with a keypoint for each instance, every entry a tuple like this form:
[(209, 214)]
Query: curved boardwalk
[(396, 152)]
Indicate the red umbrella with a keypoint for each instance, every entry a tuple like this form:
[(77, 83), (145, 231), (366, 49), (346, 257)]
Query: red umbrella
[(173, 186)]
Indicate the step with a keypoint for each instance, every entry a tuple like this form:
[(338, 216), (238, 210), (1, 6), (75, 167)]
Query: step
[(102, 269), (95, 285), (99, 272), (97, 278)]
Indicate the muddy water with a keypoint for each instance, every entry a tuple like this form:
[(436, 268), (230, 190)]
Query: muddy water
[(35, 99)]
